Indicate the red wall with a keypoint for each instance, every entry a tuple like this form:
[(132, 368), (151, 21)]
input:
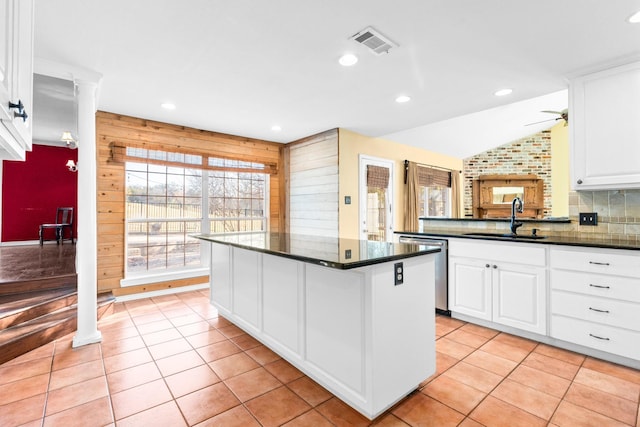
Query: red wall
[(33, 189)]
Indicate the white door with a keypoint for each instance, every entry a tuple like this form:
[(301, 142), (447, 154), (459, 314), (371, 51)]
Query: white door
[(376, 199)]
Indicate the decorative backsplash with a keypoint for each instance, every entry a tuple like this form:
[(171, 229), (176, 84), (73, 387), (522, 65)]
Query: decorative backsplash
[(618, 213), (618, 218)]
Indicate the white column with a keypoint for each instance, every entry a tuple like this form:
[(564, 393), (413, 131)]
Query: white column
[(87, 217)]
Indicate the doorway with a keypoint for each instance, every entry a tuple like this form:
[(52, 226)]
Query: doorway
[(376, 199)]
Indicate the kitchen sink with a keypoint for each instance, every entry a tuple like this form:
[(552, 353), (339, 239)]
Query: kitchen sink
[(508, 235)]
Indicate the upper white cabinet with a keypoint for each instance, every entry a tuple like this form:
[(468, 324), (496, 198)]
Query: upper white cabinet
[(16, 77), (604, 129)]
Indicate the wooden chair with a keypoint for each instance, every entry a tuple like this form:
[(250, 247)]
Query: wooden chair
[(64, 220)]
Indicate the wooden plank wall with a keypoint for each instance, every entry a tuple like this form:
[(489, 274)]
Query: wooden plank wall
[(111, 182), (313, 185)]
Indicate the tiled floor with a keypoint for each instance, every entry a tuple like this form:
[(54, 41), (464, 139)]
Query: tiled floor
[(171, 361)]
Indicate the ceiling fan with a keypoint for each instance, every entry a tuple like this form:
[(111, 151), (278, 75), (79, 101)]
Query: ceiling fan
[(562, 115)]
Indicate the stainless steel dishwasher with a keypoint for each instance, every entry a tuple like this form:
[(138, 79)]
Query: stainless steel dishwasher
[(442, 274)]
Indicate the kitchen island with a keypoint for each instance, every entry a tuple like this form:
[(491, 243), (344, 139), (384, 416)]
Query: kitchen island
[(356, 316)]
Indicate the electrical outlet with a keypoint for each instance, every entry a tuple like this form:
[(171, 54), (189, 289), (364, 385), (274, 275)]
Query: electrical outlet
[(588, 218), (347, 254), (398, 272), (347, 200)]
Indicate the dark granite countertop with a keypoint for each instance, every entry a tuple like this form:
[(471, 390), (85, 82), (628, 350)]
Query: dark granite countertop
[(326, 251), (583, 240), (553, 220)]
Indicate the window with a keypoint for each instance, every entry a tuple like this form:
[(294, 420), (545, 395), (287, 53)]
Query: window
[(435, 201), (435, 192), (165, 195)]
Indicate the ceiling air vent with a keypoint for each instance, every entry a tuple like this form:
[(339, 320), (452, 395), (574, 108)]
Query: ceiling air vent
[(375, 41)]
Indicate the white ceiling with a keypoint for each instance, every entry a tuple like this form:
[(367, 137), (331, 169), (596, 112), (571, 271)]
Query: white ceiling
[(241, 66)]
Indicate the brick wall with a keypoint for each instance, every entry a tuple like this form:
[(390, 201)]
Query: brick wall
[(530, 155)]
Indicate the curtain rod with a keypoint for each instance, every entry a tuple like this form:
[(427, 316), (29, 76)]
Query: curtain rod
[(406, 168)]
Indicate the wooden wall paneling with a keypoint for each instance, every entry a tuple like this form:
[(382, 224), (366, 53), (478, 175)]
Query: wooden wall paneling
[(313, 185), (111, 183)]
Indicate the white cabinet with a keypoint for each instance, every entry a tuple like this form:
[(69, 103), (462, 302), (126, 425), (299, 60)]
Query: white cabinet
[(500, 282), (595, 299), (16, 77), (604, 129)]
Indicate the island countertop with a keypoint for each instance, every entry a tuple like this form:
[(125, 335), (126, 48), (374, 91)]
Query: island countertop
[(331, 252)]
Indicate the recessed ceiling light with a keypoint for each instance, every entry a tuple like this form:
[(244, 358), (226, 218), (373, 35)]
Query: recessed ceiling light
[(503, 92), (403, 98), (168, 106), (348, 59), (635, 18), (276, 128)]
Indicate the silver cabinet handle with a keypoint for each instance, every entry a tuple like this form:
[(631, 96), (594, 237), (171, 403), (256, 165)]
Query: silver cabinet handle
[(598, 310), (598, 263), (599, 286), (600, 338)]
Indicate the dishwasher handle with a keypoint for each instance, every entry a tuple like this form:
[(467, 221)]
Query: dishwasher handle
[(428, 242)]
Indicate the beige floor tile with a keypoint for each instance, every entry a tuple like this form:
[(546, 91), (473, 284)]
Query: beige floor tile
[(94, 413), (559, 353), (494, 412), (315, 419), (233, 365), (490, 362), (191, 380), (467, 338), (453, 348), (540, 380), (551, 365), (422, 410), (21, 389), (454, 394), (23, 411), (237, 416), (29, 368), (619, 371), (76, 394), (179, 362), (570, 415), (473, 376), (140, 398), (609, 384), (604, 403), (526, 398), (166, 414), (132, 377), (207, 403), (76, 373)]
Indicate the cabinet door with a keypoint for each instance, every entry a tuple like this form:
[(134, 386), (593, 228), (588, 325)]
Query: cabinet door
[(21, 71), (6, 37), (470, 287), (519, 297), (605, 129)]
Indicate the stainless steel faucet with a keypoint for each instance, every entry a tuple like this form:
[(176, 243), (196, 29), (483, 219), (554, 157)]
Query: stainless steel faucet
[(516, 206)]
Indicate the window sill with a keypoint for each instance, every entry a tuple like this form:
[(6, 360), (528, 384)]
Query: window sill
[(163, 277)]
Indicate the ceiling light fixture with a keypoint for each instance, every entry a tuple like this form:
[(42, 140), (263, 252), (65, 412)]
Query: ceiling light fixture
[(348, 59), (635, 18), (168, 106), (402, 99), (68, 139), (503, 92), (276, 128)]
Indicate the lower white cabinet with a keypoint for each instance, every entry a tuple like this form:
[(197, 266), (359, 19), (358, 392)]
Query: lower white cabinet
[(595, 299), (501, 282)]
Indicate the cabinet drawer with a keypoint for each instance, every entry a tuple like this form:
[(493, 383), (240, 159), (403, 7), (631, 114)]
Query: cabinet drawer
[(620, 263), (622, 288), (595, 309), (516, 253), (613, 340)]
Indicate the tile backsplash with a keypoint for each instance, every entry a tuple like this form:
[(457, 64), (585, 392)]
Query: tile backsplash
[(618, 218), (618, 213)]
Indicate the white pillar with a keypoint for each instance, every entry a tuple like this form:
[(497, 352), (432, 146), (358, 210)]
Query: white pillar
[(87, 217)]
